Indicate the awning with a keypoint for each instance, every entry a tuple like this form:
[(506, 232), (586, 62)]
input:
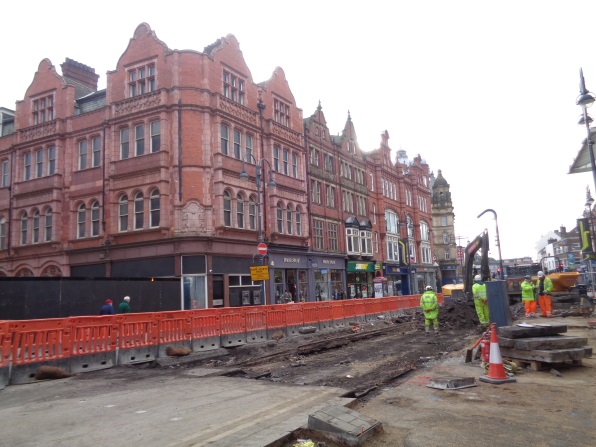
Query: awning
[(582, 161)]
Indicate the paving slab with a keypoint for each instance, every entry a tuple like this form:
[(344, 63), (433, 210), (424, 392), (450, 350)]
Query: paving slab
[(124, 407)]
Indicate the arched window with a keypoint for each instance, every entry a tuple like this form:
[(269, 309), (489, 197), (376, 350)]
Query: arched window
[(298, 222), (252, 206), (139, 211), (48, 225), (24, 229), (227, 208), (81, 220), (123, 213), (240, 211), (280, 218), (154, 209), (289, 219), (35, 233), (95, 218)]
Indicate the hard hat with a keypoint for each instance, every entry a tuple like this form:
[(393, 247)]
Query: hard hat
[(477, 278), (428, 288), (541, 273), (127, 299)]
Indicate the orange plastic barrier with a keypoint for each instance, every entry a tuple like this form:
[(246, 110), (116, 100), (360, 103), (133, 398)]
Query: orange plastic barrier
[(39, 340), (372, 306), (204, 323), (136, 330), (256, 318), (232, 320), (294, 315), (5, 343), (91, 335), (386, 304), (310, 313), (276, 316), (337, 310), (325, 314), (440, 297), (173, 327)]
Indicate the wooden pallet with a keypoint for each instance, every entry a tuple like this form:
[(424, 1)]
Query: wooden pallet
[(537, 365)]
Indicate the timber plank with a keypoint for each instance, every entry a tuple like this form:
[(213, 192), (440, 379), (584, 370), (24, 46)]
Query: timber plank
[(533, 331), (552, 356), (544, 343)]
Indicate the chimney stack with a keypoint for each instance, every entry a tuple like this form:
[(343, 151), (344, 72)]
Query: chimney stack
[(80, 73)]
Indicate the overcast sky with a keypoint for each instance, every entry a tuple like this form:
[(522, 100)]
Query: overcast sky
[(484, 91)]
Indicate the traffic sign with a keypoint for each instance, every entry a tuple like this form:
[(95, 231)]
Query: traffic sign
[(262, 249), (259, 273)]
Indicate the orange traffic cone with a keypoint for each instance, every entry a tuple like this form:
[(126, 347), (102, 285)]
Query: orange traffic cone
[(496, 371)]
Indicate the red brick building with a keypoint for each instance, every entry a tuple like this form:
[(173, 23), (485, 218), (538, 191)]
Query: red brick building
[(147, 178)]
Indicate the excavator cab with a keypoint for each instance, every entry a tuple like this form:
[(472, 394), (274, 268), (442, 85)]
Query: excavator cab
[(480, 242)]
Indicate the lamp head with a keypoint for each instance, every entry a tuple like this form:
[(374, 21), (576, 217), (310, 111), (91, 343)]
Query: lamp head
[(582, 120), (243, 176)]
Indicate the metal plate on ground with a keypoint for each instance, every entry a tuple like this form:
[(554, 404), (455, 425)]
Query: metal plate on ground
[(451, 383)]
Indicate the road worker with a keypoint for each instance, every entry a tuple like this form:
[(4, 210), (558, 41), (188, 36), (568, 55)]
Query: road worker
[(430, 309), (481, 301), (545, 288), (527, 287)]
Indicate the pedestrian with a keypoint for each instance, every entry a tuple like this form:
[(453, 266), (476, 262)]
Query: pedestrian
[(341, 295), (430, 308), (481, 301), (107, 308), (527, 287), (124, 306), (545, 288), (287, 296)]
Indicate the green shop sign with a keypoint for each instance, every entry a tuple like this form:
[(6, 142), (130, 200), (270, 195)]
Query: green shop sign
[(359, 266)]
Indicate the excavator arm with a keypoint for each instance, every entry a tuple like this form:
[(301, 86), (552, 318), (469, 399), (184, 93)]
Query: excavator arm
[(479, 243)]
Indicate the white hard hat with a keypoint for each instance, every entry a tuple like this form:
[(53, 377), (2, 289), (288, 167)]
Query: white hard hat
[(126, 298), (540, 273), (428, 288), (477, 278)]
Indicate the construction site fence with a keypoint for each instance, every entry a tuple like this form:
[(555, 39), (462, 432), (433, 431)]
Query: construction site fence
[(90, 343)]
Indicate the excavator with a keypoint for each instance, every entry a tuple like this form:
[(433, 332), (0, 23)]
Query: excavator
[(480, 242), (565, 289)]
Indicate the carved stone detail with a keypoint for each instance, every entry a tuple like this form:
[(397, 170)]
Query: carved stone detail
[(137, 103), (193, 220), (31, 133), (237, 110), (286, 134), (51, 270)]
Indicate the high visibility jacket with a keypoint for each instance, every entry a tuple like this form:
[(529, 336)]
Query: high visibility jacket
[(548, 285), (527, 290), (429, 301), (479, 291)]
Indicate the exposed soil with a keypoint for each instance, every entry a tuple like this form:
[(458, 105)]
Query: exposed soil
[(359, 357)]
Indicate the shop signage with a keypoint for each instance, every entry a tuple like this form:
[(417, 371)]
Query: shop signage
[(329, 261), (292, 260), (355, 266)]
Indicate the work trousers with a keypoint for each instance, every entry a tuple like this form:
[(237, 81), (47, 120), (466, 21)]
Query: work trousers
[(545, 305), (428, 323), (482, 312), (530, 306)]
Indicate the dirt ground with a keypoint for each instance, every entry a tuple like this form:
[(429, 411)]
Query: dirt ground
[(377, 362)]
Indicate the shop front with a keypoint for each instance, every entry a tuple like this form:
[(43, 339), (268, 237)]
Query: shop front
[(398, 279), (360, 279), (328, 278), (424, 276), (288, 273)]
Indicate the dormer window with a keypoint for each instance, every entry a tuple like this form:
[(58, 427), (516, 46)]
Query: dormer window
[(233, 87), (141, 80), (43, 109), (281, 113)]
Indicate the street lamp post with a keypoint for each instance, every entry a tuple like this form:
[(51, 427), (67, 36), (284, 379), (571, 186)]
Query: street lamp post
[(271, 184), (588, 215), (585, 100), (498, 240)]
